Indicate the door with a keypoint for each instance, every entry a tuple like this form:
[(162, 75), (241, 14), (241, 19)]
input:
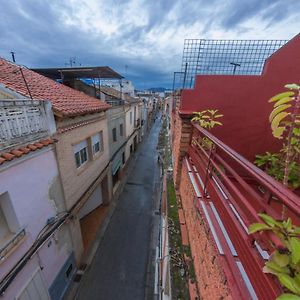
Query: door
[(35, 289)]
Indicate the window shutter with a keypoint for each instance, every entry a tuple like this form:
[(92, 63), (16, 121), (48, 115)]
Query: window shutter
[(79, 146)]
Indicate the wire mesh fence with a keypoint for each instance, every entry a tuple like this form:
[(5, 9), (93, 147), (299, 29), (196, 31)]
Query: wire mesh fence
[(224, 57)]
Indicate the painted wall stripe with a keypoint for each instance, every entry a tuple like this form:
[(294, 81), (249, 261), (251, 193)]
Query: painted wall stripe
[(227, 238), (212, 228), (220, 188), (247, 281), (192, 178)]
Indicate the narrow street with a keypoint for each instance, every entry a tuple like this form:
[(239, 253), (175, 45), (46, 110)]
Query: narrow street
[(123, 264)]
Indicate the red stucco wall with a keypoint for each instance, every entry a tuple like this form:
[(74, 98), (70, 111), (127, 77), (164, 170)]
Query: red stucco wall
[(244, 100)]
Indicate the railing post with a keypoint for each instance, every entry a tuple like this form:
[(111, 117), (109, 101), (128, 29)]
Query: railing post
[(212, 152)]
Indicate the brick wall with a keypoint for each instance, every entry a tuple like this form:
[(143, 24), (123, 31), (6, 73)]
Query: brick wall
[(77, 181), (211, 280), (210, 277), (181, 129)]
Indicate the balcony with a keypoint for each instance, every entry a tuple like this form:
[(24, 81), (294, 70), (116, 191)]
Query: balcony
[(115, 102), (13, 242), (23, 121), (229, 193)]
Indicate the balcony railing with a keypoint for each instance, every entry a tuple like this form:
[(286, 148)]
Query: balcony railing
[(116, 102), (231, 192), (21, 121), (11, 244)]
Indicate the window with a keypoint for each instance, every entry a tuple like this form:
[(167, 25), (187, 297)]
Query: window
[(4, 229), (131, 117), (81, 153), (97, 145), (114, 134), (123, 158), (121, 129), (8, 219)]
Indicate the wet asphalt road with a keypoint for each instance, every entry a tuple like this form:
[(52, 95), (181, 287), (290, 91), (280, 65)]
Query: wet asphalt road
[(119, 268)]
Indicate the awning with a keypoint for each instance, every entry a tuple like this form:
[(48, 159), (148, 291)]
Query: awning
[(116, 165), (81, 72)]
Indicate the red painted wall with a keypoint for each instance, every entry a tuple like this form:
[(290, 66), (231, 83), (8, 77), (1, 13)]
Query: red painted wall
[(244, 100)]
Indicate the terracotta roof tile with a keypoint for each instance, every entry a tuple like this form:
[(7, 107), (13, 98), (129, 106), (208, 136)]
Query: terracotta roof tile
[(32, 147), (8, 156), (25, 150), (73, 126), (46, 142), (15, 153), (65, 100), (39, 145)]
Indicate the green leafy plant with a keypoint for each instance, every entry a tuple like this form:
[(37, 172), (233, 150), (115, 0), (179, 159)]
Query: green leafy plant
[(284, 166), (273, 164), (284, 262), (285, 123), (207, 118)]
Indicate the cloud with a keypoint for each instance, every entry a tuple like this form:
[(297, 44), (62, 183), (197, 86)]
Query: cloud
[(147, 36)]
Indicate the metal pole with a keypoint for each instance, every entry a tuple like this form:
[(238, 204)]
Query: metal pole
[(173, 100), (234, 66), (184, 78), (27, 87), (191, 82), (120, 82), (13, 56)]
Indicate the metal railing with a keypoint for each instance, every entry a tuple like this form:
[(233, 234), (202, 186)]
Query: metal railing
[(116, 102), (21, 120), (236, 191), (5, 250)]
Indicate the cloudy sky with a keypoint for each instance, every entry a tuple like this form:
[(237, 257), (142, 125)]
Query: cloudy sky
[(142, 39)]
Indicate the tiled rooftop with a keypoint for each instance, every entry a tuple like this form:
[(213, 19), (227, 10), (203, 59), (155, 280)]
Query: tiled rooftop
[(65, 101), (116, 94), (110, 92), (18, 152)]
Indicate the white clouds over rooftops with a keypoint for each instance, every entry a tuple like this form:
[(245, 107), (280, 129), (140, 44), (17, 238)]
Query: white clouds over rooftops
[(145, 35)]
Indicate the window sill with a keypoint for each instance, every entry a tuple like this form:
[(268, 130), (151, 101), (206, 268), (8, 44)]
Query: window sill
[(97, 155), (11, 245), (82, 168)]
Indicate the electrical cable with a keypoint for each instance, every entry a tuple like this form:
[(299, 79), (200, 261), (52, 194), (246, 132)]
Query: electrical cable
[(38, 243)]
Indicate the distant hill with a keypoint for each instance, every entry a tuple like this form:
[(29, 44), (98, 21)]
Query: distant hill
[(157, 89)]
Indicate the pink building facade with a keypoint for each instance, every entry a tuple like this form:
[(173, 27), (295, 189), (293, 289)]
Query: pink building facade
[(36, 258)]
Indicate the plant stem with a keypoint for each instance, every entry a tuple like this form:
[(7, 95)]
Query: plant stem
[(289, 138)]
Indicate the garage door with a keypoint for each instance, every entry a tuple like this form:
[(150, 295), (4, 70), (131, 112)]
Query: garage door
[(35, 289), (93, 202)]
